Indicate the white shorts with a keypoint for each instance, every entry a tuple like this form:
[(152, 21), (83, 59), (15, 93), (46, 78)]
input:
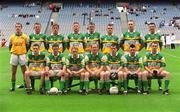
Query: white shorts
[(18, 59), (55, 72), (36, 73)]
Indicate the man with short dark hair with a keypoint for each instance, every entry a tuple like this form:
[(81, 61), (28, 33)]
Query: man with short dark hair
[(37, 37), (132, 67), (108, 39), (154, 64), (18, 48), (36, 62)]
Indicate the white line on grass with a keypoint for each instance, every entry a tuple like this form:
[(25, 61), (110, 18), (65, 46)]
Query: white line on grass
[(171, 55)]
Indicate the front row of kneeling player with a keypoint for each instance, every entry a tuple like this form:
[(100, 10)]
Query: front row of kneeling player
[(95, 66)]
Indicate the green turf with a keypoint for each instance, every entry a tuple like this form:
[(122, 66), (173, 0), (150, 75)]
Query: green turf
[(18, 101)]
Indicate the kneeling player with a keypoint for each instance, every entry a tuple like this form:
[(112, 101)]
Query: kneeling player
[(57, 68), (132, 66), (154, 66), (75, 68), (115, 65), (36, 65)]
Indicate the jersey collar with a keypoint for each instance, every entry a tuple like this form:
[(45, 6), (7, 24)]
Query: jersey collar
[(132, 32), (116, 53), (73, 57), (91, 33), (33, 53), (96, 53)]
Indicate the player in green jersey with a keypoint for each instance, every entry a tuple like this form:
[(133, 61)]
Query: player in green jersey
[(36, 62), (76, 68), (91, 37), (37, 37), (76, 38), (108, 39), (132, 67), (56, 68), (94, 63), (131, 37), (154, 64), (115, 65), (153, 36), (55, 37)]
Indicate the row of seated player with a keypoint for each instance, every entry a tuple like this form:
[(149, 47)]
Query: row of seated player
[(96, 66)]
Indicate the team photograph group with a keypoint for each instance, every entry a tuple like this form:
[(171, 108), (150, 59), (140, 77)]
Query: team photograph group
[(106, 62)]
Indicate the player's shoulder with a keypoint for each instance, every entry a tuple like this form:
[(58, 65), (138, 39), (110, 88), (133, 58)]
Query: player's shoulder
[(42, 53), (137, 32), (148, 53), (160, 55), (24, 35)]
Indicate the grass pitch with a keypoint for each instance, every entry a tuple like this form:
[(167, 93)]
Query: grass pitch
[(18, 101)]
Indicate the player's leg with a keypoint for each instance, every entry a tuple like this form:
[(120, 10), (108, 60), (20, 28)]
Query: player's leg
[(46, 76), (44, 84), (107, 81), (120, 80), (95, 79), (22, 62), (61, 81), (86, 82), (125, 82), (139, 89), (14, 63), (166, 76), (82, 75), (66, 82), (23, 69), (27, 80), (145, 76), (101, 82)]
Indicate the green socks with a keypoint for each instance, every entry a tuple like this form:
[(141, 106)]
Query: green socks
[(47, 85), (13, 82), (145, 84), (166, 82), (81, 85), (101, 84), (62, 85), (125, 85), (86, 85), (107, 84)]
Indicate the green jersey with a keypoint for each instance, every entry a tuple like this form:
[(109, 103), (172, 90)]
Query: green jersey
[(52, 39), (154, 61), (132, 62), (75, 63), (107, 41), (76, 40), (132, 38), (95, 61), (114, 62), (90, 39), (36, 63), (39, 39), (56, 62), (149, 38)]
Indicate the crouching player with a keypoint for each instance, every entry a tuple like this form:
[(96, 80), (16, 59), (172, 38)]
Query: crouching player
[(94, 63), (132, 67), (154, 64), (75, 67), (115, 65), (56, 68), (36, 62)]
